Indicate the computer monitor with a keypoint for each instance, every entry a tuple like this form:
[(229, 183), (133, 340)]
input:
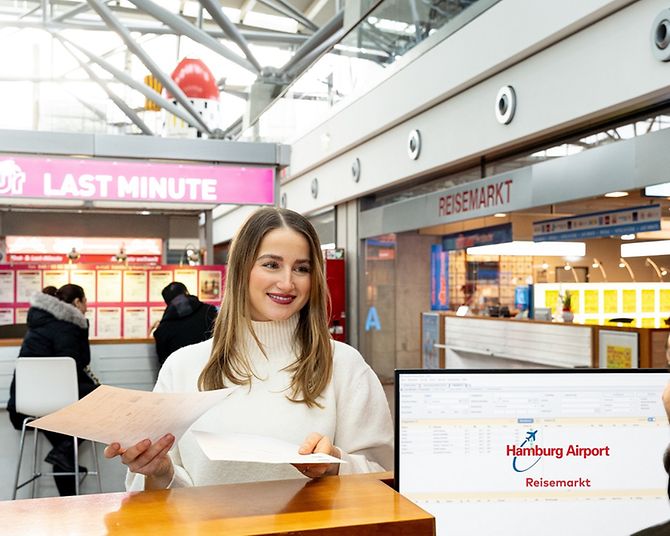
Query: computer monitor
[(542, 313), (549, 452)]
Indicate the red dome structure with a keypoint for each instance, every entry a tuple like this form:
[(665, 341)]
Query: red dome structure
[(195, 80)]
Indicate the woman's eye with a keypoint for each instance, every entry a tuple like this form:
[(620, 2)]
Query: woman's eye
[(271, 264), (304, 269)]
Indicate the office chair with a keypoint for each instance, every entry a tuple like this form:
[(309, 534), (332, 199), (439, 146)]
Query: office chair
[(45, 385)]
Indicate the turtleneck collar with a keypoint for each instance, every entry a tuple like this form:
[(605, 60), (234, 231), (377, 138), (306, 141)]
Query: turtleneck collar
[(275, 336)]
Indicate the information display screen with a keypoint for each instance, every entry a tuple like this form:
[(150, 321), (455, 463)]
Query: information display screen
[(539, 452)]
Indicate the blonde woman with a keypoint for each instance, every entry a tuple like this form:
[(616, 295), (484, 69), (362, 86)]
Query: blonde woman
[(271, 337)]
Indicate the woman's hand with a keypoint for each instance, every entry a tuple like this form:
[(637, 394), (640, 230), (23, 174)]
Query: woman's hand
[(317, 443), (150, 460)]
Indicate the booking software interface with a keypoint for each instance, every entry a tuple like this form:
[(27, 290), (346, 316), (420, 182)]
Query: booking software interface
[(547, 453)]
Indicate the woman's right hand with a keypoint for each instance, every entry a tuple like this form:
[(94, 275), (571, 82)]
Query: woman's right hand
[(150, 460)]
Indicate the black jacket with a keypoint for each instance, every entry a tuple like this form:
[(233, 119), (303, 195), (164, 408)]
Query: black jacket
[(186, 321), (55, 329)]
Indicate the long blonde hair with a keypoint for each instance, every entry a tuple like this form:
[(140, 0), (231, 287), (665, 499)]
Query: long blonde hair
[(313, 367)]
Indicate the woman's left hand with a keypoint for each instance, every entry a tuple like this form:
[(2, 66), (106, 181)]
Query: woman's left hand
[(317, 443)]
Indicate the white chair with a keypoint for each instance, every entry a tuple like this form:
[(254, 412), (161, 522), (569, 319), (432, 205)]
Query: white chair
[(45, 385)]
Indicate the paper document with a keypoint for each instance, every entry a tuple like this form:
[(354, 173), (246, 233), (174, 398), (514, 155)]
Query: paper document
[(254, 448), (126, 416)]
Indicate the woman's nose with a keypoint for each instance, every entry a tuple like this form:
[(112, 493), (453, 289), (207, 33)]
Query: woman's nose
[(286, 280)]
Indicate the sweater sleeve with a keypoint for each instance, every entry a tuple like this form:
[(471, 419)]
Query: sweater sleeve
[(364, 432), (135, 481)]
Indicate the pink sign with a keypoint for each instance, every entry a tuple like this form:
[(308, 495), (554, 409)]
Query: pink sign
[(85, 178)]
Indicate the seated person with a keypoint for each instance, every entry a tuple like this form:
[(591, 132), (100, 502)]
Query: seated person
[(186, 321), (57, 327)]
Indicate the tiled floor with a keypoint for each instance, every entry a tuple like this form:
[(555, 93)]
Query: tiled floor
[(113, 473)]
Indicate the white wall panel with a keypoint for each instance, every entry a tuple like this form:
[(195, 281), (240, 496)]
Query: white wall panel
[(603, 69), (225, 226), (547, 344)]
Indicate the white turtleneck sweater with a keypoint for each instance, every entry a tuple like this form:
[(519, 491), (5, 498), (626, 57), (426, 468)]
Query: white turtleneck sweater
[(355, 414)]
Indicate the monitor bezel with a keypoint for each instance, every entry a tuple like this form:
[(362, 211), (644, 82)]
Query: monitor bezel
[(399, 372)]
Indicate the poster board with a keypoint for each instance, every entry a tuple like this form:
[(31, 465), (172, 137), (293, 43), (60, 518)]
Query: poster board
[(618, 349), (123, 301), (643, 305)]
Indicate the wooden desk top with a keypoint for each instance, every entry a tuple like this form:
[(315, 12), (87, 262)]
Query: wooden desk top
[(352, 504)]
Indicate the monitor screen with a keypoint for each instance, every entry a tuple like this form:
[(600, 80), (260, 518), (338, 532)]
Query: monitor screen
[(533, 452)]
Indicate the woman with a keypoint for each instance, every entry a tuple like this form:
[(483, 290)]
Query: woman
[(271, 336), (57, 327)]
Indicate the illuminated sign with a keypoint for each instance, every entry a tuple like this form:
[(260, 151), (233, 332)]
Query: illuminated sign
[(599, 224), (112, 180)]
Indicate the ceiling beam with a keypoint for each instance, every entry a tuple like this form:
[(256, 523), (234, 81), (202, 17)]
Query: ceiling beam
[(183, 27), (230, 30), (315, 8), (261, 36), (245, 8), (120, 103), (141, 87), (315, 41), (290, 12), (111, 20), (81, 8)]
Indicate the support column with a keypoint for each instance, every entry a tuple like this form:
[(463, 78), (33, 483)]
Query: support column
[(346, 236), (205, 234)]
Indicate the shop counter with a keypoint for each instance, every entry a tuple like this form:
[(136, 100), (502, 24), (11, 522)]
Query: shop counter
[(338, 505), (486, 342), (130, 363)]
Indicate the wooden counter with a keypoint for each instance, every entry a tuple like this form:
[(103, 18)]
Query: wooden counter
[(352, 504)]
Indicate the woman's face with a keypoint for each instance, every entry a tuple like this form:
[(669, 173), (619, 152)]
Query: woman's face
[(281, 277), (80, 303)]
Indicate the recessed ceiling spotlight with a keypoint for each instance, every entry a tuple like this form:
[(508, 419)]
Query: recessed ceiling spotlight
[(500, 215), (627, 237), (616, 194)]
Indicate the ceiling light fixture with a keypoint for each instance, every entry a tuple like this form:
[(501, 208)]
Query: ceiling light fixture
[(531, 249), (624, 264), (646, 249), (597, 265), (500, 215), (568, 267), (616, 194), (659, 274)]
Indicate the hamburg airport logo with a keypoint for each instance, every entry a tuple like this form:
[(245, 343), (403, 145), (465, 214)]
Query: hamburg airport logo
[(531, 453), (12, 178), (530, 441)]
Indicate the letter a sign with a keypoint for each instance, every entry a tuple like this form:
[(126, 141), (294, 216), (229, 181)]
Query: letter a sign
[(372, 321)]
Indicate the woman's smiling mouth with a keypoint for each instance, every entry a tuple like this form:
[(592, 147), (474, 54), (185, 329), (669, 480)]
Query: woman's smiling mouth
[(282, 299)]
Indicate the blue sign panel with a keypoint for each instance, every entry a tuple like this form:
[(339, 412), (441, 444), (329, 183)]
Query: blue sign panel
[(497, 234), (599, 224), (439, 278)]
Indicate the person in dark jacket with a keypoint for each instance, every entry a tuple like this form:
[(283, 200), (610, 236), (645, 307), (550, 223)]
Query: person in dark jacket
[(57, 327), (186, 320)]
